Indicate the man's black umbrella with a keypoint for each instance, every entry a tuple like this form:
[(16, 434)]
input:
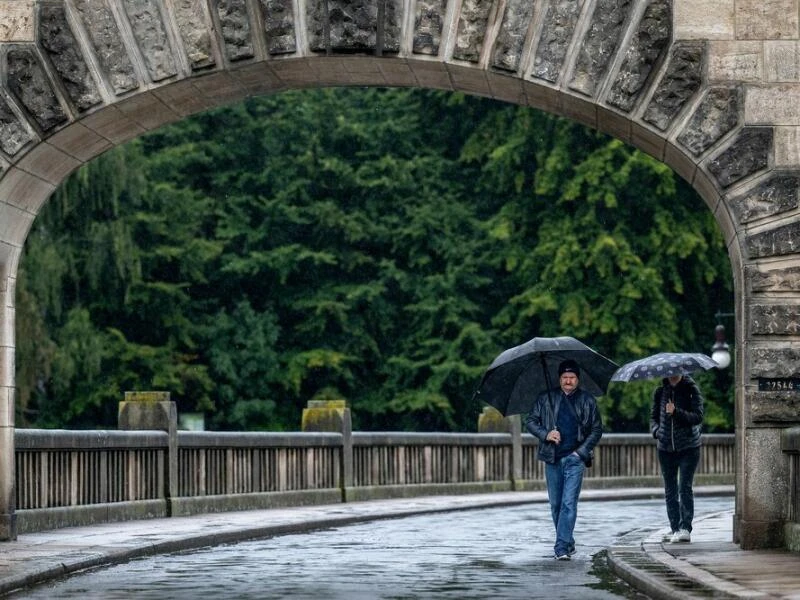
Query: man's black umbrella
[(517, 376)]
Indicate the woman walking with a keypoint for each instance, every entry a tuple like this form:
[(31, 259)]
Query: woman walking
[(675, 421)]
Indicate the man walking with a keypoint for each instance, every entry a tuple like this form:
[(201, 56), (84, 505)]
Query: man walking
[(568, 425)]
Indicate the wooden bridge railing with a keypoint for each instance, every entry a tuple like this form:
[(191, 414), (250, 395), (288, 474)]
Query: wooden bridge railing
[(77, 477)]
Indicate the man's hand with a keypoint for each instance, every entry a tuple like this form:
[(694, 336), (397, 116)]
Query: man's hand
[(670, 407), (554, 436)]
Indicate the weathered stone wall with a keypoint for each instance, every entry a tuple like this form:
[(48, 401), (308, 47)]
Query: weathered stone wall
[(709, 87)]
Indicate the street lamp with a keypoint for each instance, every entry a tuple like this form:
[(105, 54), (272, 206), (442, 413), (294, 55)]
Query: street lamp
[(720, 351)]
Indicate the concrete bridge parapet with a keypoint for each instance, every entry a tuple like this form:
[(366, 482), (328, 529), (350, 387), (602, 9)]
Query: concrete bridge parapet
[(709, 87)]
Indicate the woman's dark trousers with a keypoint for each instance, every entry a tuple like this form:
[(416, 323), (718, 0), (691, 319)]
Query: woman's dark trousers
[(677, 469)]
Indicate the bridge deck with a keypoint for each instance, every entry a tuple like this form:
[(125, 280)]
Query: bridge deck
[(710, 567)]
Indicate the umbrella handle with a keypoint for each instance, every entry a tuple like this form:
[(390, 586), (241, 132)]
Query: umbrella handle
[(549, 396)]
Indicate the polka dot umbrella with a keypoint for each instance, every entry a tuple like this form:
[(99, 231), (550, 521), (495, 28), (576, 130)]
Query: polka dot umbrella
[(663, 364)]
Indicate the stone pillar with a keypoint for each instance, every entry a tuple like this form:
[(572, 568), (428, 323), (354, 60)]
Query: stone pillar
[(154, 411), (333, 416), (492, 421), (8, 519)]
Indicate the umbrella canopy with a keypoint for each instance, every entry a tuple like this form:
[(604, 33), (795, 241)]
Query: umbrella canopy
[(514, 379), (664, 364)]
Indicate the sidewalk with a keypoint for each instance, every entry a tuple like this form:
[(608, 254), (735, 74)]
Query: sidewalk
[(711, 566)]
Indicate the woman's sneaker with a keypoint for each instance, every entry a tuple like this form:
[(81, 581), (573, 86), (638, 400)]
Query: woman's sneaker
[(682, 535), (667, 537)]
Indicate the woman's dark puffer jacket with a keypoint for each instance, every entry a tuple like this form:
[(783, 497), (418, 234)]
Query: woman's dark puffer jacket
[(681, 430)]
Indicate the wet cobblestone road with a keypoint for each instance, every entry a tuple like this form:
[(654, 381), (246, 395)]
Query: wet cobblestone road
[(499, 553)]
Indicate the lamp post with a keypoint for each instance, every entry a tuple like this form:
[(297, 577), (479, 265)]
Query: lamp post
[(720, 351)]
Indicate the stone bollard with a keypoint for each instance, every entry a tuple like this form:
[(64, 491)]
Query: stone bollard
[(492, 421), (333, 416), (154, 411)]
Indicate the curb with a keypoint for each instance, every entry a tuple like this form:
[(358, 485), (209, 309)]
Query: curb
[(647, 566)]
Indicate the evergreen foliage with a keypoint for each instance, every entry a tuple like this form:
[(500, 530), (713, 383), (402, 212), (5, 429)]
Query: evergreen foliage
[(380, 246)]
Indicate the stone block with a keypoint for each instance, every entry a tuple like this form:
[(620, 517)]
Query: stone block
[(772, 105), (7, 329), (428, 25), (727, 225), (14, 223), (113, 125), (220, 88), (6, 364), (764, 279), (746, 154), (397, 73), (326, 416), (790, 440), (766, 19), (787, 146), (19, 21), (543, 97), (294, 73), (471, 29), (766, 476), (754, 534), (774, 319), (678, 161), (147, 110), (361, 71), (774, 407), (773, 195), (735, 61), (708, 20), (648, 141), (650, 40), (614, 124), (193, 23), (507, 89), (704, 186), (781, 61), (359, 65), (147, 411), (780, 241), (431, 74), (470, 80), (558, 27), (791, 534), (79, 141), (580, 110), (491, 420), (258, 78), (716, 115), (774, 361), (9, 261), (7, 395), (49, 163), (183, 97), (24, 191), (680, 81)]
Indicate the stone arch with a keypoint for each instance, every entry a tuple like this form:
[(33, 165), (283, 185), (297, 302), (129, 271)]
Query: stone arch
[(709, 87)]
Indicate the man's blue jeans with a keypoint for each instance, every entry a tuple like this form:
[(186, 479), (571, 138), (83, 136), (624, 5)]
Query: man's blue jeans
[(677, 469), (564, 479)]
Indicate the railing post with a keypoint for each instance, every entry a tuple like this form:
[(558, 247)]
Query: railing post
[(492, 421), (333, 416), (149, 411)]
